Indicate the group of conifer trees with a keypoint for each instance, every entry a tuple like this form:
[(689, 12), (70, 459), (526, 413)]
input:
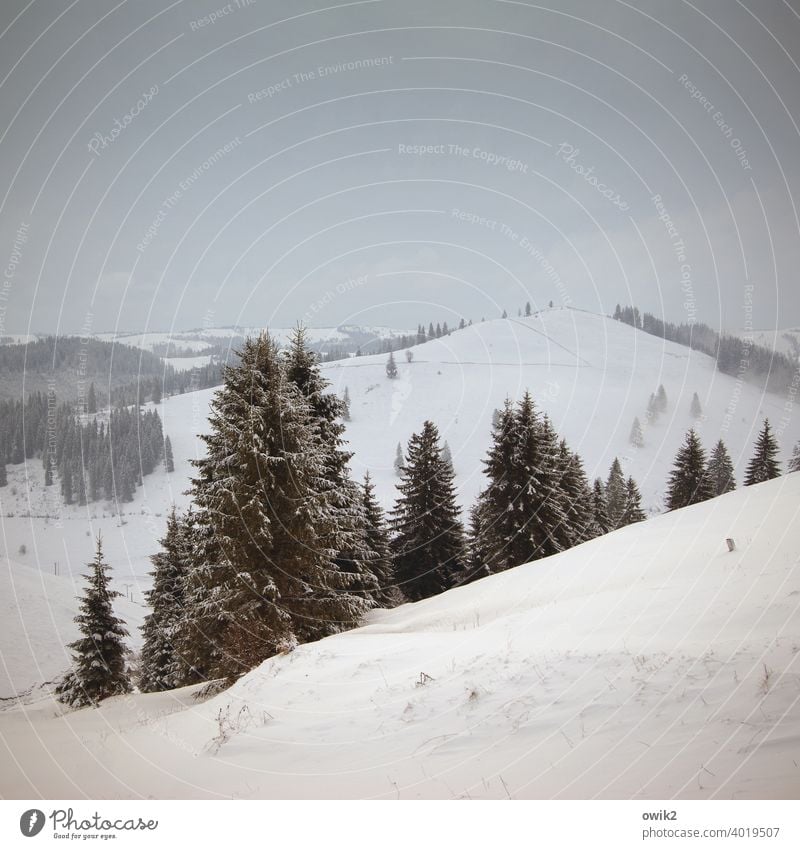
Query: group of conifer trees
[(695, 478), (97, 460), (281, 546), (92, 459)]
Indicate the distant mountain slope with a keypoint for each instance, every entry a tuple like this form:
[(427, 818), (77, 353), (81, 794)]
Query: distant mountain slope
[(651, 663), (591, 374)]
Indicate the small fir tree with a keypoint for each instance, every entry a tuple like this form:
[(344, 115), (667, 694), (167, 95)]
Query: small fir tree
[(391, 367), (633, 505), (160, 665), (602, 523), (377, 543), (720, 470), (695, 408), (399, 461), (616, 492), (661, 399), (636, 437), (99, 668), (169, 460), (763, 466), (688, 481), (428, 546), (794, 461)]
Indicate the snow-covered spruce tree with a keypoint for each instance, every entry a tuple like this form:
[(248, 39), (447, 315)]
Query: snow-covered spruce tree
[(169, 460), (578, 500), (159, 665), (199, 637), (633, 504), (661, 399), (447, 454), (98, 669), (428, 547), (794, 460), (763, 466), (262, 488), (391, 367), (399, 460), (477, 552), (720, 470), (347, 527), (652, 409), (696, 408), (346, 405), (616, 492), (522, 508), (602, 524), (377, 543), (493, 520), (688, 481), (636, 437)]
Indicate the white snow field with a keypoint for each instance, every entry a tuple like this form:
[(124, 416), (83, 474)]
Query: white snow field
[(649, 663), (590, 373)]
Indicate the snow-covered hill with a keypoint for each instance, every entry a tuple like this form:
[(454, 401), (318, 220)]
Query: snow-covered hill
[(649, 663), (590, 373)]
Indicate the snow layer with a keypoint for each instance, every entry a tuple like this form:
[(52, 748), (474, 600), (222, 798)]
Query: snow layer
[(650, 663)]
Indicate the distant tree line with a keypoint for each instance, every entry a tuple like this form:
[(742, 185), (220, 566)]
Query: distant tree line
[(734, 355), (91, 457)]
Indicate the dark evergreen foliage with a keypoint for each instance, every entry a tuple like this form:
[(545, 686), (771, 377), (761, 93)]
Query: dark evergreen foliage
[(616, 493), (169, 460), (264, 490), (160, 667), (763, 466), (99, 668), (688, 482), (428, 546), (720, 470)]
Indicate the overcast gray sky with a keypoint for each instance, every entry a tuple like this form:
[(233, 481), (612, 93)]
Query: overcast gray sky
[(391, 161)]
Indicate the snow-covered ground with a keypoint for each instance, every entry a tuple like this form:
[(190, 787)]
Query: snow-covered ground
[(590, 373), (649, 663)]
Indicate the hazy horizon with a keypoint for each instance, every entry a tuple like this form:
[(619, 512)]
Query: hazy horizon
[(384, 163)]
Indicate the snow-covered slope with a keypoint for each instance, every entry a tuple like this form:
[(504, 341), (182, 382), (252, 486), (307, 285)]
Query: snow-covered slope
[(650, 663), (591, 374)]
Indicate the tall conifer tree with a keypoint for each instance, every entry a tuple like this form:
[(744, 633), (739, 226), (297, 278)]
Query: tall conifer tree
[(428, 546)]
